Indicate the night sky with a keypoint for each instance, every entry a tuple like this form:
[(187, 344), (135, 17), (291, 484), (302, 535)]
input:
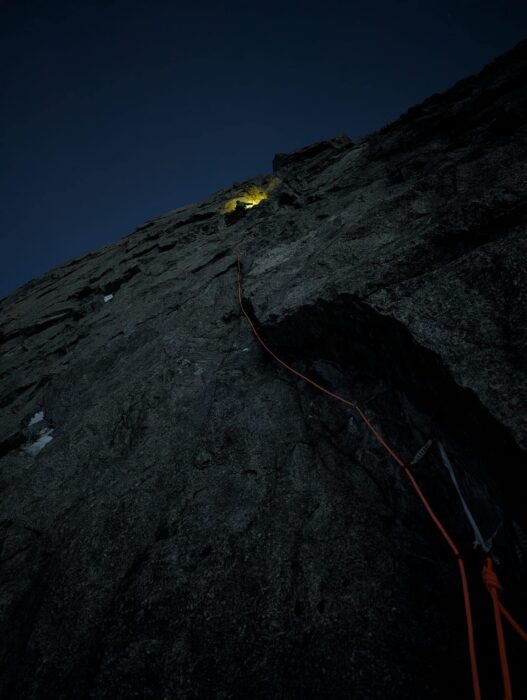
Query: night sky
[(115, 111)]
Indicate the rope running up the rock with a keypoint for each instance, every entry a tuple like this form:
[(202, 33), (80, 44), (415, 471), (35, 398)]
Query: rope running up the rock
[(407, 471)]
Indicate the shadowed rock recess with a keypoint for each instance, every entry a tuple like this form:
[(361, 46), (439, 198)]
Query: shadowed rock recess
[(182, 518)]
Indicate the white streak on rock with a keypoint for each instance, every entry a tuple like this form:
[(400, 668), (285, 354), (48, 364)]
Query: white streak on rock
[(37, 418), (43, 439)]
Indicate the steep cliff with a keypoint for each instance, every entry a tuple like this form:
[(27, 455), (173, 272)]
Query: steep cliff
[(182, 517)]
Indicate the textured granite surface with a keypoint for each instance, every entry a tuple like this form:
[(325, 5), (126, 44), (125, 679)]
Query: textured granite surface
[(187, 520)]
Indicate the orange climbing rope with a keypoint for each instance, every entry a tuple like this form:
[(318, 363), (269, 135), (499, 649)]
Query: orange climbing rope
[(491, 581), (512, 622), (493, 586), (407, 471)]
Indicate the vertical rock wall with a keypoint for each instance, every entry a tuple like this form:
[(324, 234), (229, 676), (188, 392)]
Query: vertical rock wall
[(180, 517)]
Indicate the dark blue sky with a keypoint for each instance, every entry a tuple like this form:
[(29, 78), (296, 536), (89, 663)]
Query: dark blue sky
[(115, 111)]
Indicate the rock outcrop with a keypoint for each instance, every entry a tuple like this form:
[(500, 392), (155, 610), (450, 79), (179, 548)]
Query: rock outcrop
[(182, 518)]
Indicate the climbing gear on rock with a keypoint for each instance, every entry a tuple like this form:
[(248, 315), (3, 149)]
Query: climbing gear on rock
[(478, 537), (489, 576), (493, 586), (407, 471), (421, 453)]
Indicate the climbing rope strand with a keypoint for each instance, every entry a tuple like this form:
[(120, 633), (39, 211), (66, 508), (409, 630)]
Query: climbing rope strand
[(491, 582), (430, 511), (512, 622), (470, 630), (312, 382), (464, 584), (493, 586), (401, 463)]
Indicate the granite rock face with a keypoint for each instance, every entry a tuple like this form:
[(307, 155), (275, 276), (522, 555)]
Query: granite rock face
[(182, 518)]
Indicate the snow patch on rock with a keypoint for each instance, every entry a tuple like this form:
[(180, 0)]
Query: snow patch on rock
[(44, 437), (37, 418)]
